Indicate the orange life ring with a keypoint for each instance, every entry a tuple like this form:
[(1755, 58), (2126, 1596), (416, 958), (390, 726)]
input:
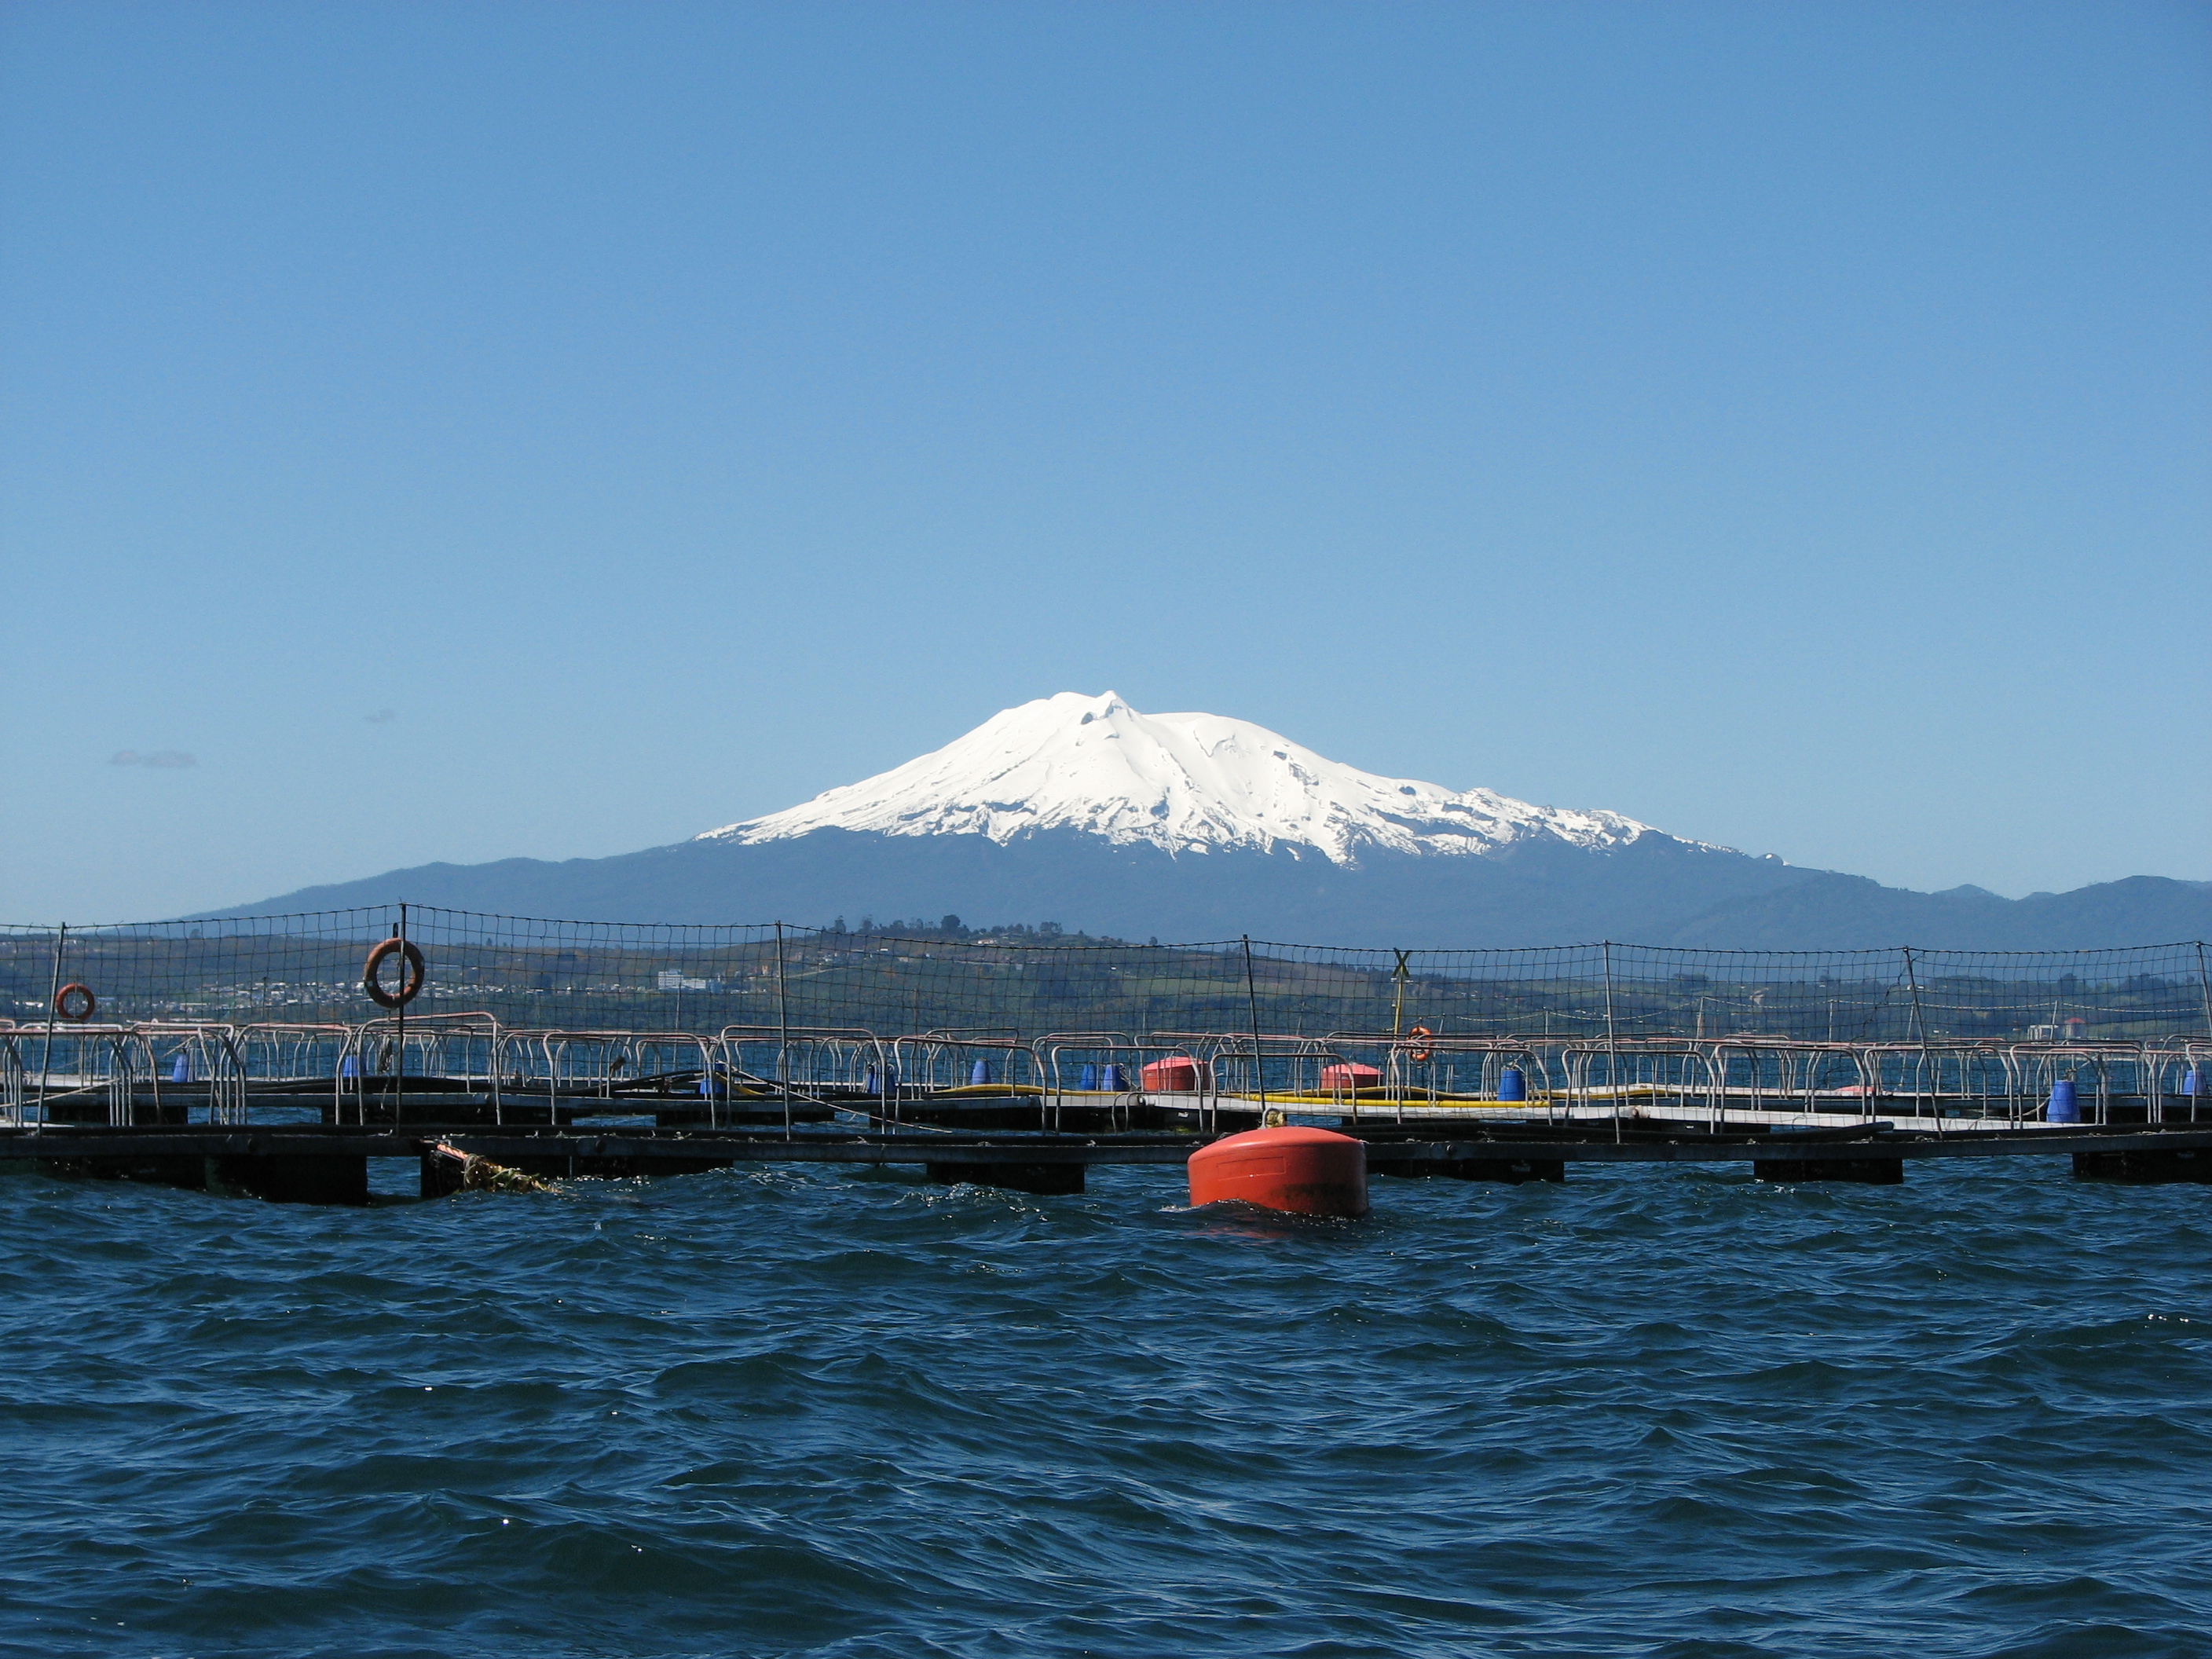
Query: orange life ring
[(63, 997), (410, 977), (1420, 1056)]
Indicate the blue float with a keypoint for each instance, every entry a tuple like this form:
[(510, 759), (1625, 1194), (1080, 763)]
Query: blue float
[(979, 1071), (1513, 1083), (2192, 1081), (1090, 1077), (1115, 1076), (181, 1072), (2063, 1108)]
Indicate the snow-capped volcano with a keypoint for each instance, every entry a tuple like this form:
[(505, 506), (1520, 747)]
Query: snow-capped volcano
[(1184, 783), (1077, 812)]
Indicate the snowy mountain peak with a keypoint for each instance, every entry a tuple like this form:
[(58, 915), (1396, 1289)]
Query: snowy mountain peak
[(1187, 783)]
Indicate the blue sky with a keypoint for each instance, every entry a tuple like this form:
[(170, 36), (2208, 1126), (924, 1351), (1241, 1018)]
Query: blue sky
[(468, 431)]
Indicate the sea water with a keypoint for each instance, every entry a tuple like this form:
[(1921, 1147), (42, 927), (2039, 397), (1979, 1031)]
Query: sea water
[(1653, 1411)]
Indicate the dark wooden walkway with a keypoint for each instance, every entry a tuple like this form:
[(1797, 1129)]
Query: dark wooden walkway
[(309, 1163)]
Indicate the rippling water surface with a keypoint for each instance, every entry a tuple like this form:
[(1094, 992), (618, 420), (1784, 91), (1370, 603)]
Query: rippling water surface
[(1654, 1412)]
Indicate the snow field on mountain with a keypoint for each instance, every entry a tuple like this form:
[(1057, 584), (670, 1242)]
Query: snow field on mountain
[(1185, 783)]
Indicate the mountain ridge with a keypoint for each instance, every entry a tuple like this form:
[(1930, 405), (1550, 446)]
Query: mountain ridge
[(1081, 811), (1139, 892)]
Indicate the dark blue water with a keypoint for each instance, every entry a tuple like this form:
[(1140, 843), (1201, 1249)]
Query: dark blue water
[(1658, 1412)]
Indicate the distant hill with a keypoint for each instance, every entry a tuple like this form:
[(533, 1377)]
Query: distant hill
[(1848, 912), (1081, 811)]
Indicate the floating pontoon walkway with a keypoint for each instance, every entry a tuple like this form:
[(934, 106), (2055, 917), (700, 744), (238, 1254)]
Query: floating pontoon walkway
[(296, 1111), (330, 1165)]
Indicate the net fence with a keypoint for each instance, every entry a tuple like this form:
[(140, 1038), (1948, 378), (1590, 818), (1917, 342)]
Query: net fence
[(1021, 984)]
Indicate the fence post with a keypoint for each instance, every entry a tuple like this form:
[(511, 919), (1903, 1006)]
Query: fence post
[(2204, 986), (399, 1032), (53, 1008), (1252, 1000), (782, 1033), (1919, 1031), (1611, 1040), (1928, 1070)]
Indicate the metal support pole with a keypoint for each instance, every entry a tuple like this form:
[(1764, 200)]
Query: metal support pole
[(1611, 1040), (53, 1008), (1928, 1069), (782, 1032), (2204, 986), (1252, 1000), (399, 1035)]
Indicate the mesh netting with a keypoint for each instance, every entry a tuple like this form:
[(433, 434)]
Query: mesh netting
[(1022, 984)]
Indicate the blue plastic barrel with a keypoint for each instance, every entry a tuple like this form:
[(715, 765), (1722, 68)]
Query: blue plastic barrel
[(1089, 1080), (2064, 1107), (979, 1071), (350, 1066), (1513, 1083), (2192, 1081), (181, 1072), (1114, 1076), (874, 1084)]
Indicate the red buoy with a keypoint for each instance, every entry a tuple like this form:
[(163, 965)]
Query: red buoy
[(1305, 1171), (1350, 1075)]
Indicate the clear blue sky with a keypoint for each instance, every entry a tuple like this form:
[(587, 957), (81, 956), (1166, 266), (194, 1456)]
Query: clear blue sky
[(1787, 424)]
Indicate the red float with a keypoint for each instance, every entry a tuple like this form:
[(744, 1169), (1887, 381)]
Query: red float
[(1350, 1075), (1305, 1171), (1178, 1074)]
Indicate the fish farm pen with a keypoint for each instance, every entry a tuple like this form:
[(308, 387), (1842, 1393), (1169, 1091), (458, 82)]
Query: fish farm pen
[(277, 1055)]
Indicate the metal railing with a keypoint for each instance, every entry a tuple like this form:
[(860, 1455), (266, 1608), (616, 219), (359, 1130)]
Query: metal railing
[(218, 1072)]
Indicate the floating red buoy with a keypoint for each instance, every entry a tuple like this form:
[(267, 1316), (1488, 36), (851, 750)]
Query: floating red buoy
[(1304, 1171), (1350, 1075)]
